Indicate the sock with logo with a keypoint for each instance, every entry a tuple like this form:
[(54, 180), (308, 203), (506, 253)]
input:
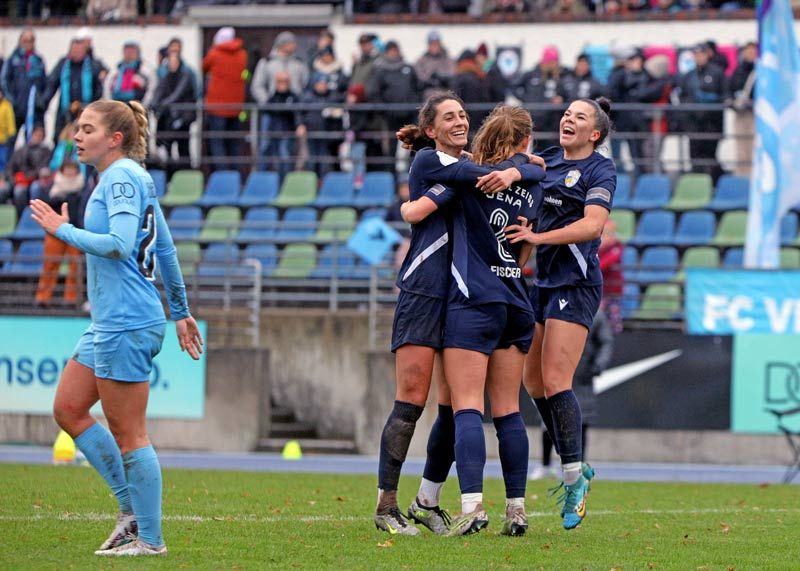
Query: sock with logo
[(395, 440), (144, 482), (102, 452), (512, 441), (470, 450), (566, 426), (441, 455), (547, 417)]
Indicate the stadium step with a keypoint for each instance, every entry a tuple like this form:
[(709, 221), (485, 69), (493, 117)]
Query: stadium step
[(309, 445), (293, 429)]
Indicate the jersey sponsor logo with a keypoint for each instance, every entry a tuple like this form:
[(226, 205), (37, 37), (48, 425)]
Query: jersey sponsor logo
[(572, 179), (553, 200), (562, 303), (499, 220), (598, 193), (506, 272), (122, 190), (513, 196)]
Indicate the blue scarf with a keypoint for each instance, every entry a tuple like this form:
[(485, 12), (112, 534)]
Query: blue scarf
[(123, 88), (86, 83)]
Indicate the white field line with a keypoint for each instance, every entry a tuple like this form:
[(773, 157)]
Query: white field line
[(70, 516)]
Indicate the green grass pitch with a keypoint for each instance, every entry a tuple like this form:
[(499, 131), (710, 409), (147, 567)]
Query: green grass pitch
[(54, 517)]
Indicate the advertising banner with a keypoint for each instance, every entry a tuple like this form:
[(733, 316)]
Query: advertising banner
[(34, 351)]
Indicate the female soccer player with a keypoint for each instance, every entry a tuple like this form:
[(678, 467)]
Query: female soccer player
[(417, 329), (489, 320), (577, 195), (125, 239)]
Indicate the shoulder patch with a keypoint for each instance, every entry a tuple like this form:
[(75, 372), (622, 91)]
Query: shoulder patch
[(446, 159), (436, 189), (598, 193)]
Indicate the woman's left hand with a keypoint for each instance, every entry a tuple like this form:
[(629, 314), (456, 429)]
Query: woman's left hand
[(48, 218), (496, 181), (520, 233), (189, 337)]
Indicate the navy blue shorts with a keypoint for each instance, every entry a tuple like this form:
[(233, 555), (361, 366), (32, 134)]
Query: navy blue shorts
[(418, 320), (485, 328), (576, 304)]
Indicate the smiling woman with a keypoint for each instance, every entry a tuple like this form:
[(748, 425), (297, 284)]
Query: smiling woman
[(125, 239)]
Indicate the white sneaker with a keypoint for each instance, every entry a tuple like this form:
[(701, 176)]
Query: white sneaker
[(134, 548), (124, 532), (541, 472)]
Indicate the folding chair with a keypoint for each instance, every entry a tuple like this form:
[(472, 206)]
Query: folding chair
[(793, 438)]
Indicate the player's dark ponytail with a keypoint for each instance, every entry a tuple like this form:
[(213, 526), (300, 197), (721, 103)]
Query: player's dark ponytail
[(602, 121)]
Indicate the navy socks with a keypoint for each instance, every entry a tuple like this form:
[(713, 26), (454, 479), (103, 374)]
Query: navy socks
[(512, 439), (470, 450), (441, 446)]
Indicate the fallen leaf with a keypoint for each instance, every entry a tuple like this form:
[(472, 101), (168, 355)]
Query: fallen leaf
[(725, 528), (387, 543), (658, 526), (312, 502), (340, 498)]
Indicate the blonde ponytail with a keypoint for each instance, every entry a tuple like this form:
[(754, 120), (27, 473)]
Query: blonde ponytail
[(130, 119)]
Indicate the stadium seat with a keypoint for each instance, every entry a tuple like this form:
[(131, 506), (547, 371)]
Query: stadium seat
[(731, 229), (789, 229), (626, 223), (652, 191), (369, 212), (28, 259), (337, 260), (260, 223), (299, 189), (184, 188), (732, 193), (660, 301), (655, 227), (6, 254), (26, 228), (219, 259), (697, 257), (159, 180), (222, 189), (336, 190), (657, 264), (222, 223), (622, 194), (790, 259), (695, 228), (692, 192), (297, 261), (630, 261), (184, 222), (260, 189), (630, 300), (378, 190), (733, 258), (267, 254), (188, 257), (298, 224), (8, 219), (336, 224)]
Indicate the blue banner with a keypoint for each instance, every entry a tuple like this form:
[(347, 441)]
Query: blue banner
[(775, 182), (725, 302), (372, 239), (34, 351)]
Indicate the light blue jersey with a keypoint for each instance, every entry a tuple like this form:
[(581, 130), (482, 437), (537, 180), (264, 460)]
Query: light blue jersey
[(125, 238)]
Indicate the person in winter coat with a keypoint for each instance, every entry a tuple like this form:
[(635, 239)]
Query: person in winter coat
[(282, 124), (24, 72), (8, 129), (434, 68), (742, 84), (325, 63), (24, 165), (133, 79), (394, 82), (314, 124), (580, 83), (282, 59), (540, 85), (471, 84), (176, 87)]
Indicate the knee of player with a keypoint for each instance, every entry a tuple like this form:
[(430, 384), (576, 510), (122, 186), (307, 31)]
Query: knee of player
[(67, 413)]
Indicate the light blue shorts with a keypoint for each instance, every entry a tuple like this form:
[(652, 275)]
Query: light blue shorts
[(120, 355)]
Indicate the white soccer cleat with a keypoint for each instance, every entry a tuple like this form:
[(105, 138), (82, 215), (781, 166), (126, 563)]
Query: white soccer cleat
[(124, 532), (134, 548)]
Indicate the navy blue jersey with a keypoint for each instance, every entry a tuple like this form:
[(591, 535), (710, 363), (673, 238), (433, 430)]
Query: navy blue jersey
[(484, 265), (425, 268), (568, 187)]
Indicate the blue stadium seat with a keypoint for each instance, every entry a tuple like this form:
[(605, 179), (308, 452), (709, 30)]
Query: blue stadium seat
[(160, 180), (222, 189), (657, 264), (260, 223), (299, 224), (28, 259), (6, 254), (184, 222), (630, 300), (733, 258), (630, 259), (260, 189), (219, 259), (695, 228), (342, 258), (336, 190), (789, 229), (655, 227), (376, 211), (378, 190), (652, 191), (26, 228), (732, 193), (267, 254), (622, 195)]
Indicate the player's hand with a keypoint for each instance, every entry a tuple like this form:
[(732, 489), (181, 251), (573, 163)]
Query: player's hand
[(48, 218), (498, 180), (189, 337), (536, 160), (521, 232)]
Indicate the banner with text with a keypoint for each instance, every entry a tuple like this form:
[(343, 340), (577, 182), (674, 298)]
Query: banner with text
[(34, 351), (725, 302), (765, 392)]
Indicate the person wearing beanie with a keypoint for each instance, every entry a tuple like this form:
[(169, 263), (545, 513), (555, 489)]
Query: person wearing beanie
[(282, 59), (434, 68), (394, 81), (540, 85)]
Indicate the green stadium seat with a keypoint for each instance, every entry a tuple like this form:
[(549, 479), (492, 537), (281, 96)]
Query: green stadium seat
[(697, 257), (693, 192), (731, 229), (222, 223), (297, 261), (790, 259), (336, 224), (8, 219), (299, 188), (185, 187), (660, 301), (188, 257), (626, 223)]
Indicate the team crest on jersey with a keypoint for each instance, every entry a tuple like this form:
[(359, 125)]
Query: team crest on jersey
[(572, 178)]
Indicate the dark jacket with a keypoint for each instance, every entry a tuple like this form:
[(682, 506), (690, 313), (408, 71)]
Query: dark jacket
[(634, 87), (471, 84), (706, 84), (175, 87), (28, 160), (742, 97), (22, 71), (535, 86), (394, 81), (572, 87), (75, 83), (324, 119), (283, 120)]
